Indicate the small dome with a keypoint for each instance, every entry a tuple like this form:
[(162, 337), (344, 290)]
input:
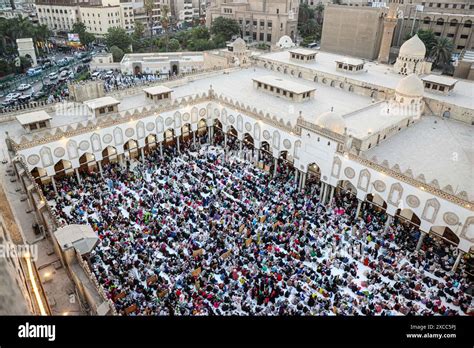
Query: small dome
[(413, 47), (410, 86), (285, 42), (239, 45), (332, 121)]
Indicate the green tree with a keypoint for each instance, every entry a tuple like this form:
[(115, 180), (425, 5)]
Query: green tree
[(149, 6), (118, 37), (310, 27), (173, 45), (117, 53), (305, 13), (200, 33), (138, 31), (226, 27), (85, 37), (165, 18), (442, 52)]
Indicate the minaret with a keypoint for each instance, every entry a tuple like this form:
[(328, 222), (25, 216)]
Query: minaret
[(389, 23)]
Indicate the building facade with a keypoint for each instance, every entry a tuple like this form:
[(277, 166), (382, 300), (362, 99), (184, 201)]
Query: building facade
[(450, 19), (98, 16), (355, 31), (260, 20)]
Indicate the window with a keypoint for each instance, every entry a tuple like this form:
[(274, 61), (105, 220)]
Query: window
[(461, 47), (269, 24), (33, 126), (110, 108), (262, 37), (467, 24), (426, 20), (464, 36), (101, 110), (42, 124), (440, 21), (269, 37), (453, 23)]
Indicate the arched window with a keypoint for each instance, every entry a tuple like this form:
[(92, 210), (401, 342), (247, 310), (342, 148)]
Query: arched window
[(440, 21), (426, 20), (453, 23), (467, 24)]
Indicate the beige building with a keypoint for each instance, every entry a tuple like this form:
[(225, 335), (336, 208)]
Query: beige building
[(260, 20), (355, 31), (451, 19), (98, 16)]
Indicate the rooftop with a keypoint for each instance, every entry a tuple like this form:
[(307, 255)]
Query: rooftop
[(284, 84), (81, 237), (101, 102), (440, 149), (377, 74), (441, 80), (157, 90), (33, 117), (350, 61), (303, 51)]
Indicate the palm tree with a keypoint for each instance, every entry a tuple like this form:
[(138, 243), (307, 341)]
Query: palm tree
[(149, 6), (318, 13), (441, 52), (165, 21)]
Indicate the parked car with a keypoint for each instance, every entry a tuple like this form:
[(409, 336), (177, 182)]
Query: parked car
[(86, 59), (53, 76), (64, 73), (109, 74), (25, 98), (23, 87), (62, 62), (10, 102), (12, 96), (38, 95), (34, 71), (63, 68), (96, 75)]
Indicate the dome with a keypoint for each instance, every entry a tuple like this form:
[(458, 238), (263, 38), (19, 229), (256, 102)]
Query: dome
[(332, 121), (410, 86), (285, 42), (239, 45), (413, 47)]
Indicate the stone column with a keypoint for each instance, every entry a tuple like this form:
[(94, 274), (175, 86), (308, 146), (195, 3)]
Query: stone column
[(161, 149), (54, 184), (77, 175), (303, 181), (177, 144), (420, 240), (275, 166), (323, 192), (194, 138), (99, 164), (458, 260), (209, 135), (388, 222), (359, 205), (142, 152), (331, 195), (225, 141), (297, 177)]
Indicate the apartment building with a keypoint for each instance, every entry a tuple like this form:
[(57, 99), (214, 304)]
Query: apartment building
[(451, 19), (260, 20), (98, 16)]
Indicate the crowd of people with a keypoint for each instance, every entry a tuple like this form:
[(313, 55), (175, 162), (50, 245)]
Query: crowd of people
[(118, 81), (205, 232)]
